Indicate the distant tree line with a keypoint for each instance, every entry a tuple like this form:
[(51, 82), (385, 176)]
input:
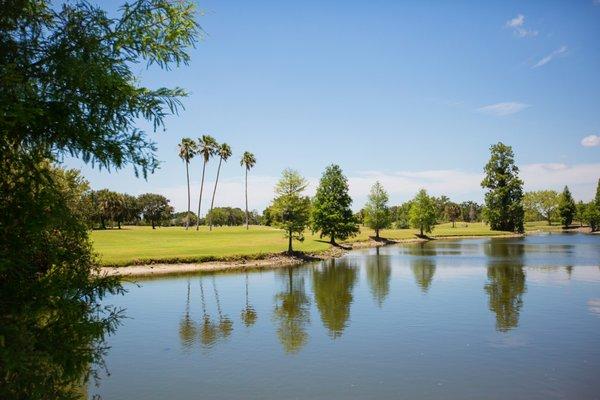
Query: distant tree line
[(506, 207), (107, 209), (551, 206)]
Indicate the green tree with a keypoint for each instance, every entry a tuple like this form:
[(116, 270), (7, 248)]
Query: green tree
[(129, 209), (440, 207), (423, 212), (470, 211), (69, 87), (247, 161), (592, 215), (566, 207), (580, 212), (207, 148), (224, 152), (107, 203), (291, 210), (187, 151), (503, 201), (331, 212), (542, 203), (155, 208), (452, 212), (597, 198), (376, 211)]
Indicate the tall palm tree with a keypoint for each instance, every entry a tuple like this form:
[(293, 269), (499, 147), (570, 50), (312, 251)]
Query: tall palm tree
[(248, 161), (224, 152), (207, 146), (187, 151)]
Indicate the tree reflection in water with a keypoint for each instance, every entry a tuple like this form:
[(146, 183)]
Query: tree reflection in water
[(208, 329), (506, 284), (333, 282), (422, 264), (248, 314), (187, 327), (292, 312), (379, 274), (225, 324)]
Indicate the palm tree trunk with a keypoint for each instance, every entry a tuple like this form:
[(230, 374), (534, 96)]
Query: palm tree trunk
[(187, 173), (247, 201), (212, 202), (200, 199)]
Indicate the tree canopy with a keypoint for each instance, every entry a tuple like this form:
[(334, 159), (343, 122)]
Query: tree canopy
[(70, 86), (541, 204), (423, 212), (290, 209), (566, 207), (376, 212), (331, 212), (503, 200)]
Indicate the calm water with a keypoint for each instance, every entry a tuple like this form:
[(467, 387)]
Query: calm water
[(468, 319)]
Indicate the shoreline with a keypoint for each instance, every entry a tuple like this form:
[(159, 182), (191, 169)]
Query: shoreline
[(266, 261)]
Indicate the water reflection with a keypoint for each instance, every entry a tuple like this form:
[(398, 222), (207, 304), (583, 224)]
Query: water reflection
[(379, 273), (208, 329), (187, 327), (248, 314), (292, 312), (333, 282), (225, 324), (506, 281), (422, 264)]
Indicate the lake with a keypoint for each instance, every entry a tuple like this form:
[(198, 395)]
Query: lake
[(515, 318)]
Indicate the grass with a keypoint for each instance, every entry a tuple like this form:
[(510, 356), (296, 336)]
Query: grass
[(141, 244), (543, 226)]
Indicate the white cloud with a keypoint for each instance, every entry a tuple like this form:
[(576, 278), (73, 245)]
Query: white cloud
[(561, 51), (502, 109), (517, 24), (401, 185), (581, 178), (591, 140)]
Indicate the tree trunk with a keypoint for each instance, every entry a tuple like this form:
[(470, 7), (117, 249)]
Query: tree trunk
[(421, 230), (290, 242), (187, 174), (332, 241), (102, 223), (453, 223), (212, 202), (200, 199), (247, 204), (549, 221), (153, 226), (119, 224), (377, 233)]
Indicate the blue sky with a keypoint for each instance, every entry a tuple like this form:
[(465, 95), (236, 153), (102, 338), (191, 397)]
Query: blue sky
[(410, 93)]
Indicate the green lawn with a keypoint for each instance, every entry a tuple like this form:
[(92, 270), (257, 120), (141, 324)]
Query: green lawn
[(139, 244)]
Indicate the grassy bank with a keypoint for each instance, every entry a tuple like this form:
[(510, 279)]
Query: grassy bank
[(138, 245)]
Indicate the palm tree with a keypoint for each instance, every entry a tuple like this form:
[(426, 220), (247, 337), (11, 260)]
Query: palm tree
[(248, 160), (207, 146), (224, 152), (187, 151)]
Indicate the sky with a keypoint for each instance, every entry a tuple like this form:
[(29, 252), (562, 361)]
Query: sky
[(409, 93)]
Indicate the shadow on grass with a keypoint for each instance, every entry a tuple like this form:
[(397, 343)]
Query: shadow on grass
[(424, 237), (338, 245)]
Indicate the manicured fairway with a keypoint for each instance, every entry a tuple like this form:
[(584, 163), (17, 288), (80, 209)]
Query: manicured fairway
[(135, 244)]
